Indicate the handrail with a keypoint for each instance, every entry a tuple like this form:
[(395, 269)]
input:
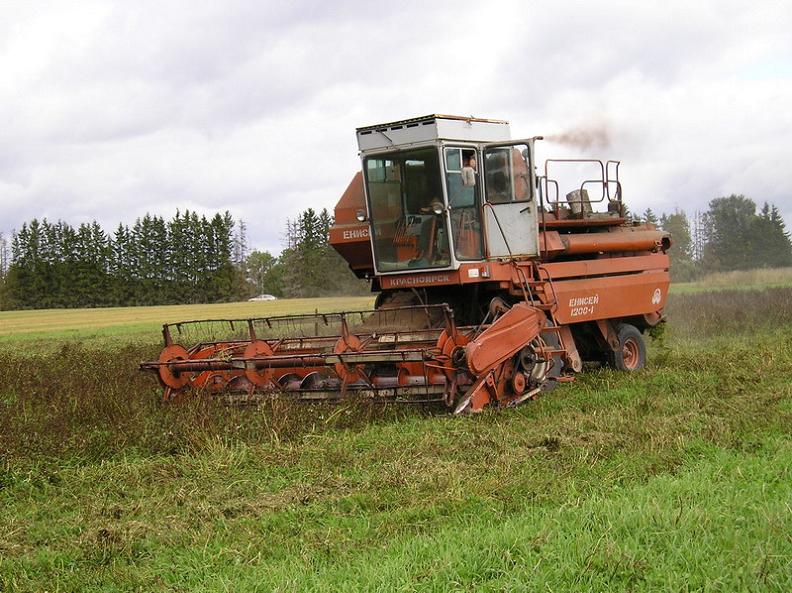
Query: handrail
[(609, 175)]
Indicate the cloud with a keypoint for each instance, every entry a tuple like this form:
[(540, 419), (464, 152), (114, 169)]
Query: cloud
[(113, 109)]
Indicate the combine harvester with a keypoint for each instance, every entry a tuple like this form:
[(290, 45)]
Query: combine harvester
[(492, 287)]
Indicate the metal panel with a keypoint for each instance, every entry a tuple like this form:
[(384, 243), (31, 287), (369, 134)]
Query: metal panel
[(473, 131), (375, 139), (608, 265), (431, 128), (511, 229), (608, 298)]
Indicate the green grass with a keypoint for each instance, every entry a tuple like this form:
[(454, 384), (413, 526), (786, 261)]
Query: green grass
[(678, 478), (230, 519)]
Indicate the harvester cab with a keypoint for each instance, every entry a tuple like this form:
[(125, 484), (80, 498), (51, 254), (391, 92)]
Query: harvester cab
[(491, 287), (443, 190)]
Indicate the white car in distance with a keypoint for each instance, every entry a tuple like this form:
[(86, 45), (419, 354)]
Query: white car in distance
[(263, 297)]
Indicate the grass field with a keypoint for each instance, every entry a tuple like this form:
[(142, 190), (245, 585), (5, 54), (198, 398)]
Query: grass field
[(678, 478), (135, 324), (738, 280)]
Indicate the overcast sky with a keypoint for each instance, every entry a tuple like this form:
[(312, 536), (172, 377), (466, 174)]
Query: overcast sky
[(112, 109)]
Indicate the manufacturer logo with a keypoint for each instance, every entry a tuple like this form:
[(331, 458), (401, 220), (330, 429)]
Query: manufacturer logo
[(418, 280), (583, 301), (657, 296), (583, 306), (355, 234)]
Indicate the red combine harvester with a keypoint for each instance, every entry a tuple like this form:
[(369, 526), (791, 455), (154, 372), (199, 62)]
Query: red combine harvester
[(492, 287)]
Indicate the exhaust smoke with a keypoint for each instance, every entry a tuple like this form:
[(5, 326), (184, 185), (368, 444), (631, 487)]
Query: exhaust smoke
[(583, 137)]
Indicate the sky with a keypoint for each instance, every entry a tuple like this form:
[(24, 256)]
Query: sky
[(112, 109)]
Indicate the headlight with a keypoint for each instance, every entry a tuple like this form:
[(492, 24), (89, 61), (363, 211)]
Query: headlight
[(437, 208), (361, 215)]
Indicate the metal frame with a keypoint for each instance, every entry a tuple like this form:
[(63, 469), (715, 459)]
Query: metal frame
[(604, 181), (544, 181)]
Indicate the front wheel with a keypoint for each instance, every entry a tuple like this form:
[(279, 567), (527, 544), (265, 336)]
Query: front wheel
[(631, 354)]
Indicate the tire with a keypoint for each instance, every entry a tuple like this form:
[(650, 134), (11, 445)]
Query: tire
[(631, 355)]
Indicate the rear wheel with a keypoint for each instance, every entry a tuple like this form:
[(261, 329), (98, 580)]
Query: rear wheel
[(631, 353)]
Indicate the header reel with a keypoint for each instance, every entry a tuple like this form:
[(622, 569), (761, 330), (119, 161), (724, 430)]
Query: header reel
[(405, 354)]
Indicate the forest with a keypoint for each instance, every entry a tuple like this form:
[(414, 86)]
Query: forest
[(187, 259), (195, 259), (732, 234)]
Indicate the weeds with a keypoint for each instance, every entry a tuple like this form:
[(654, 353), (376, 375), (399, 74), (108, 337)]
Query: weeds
[(93, 404), (732, 312)]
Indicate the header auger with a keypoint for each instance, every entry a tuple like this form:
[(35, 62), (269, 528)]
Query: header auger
[(491, 287)]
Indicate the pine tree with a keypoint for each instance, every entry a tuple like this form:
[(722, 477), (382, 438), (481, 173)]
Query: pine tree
[(772, 246), (36, 292), (309, 266), (698, 238), (737, 238), (179, 257), (649, 216), (65, 270), (187, 259), (729, 228), (783, 253), (120, 269), (240, 243)]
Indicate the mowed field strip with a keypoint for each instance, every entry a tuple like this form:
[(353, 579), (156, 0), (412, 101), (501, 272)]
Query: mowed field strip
[(138, 322)]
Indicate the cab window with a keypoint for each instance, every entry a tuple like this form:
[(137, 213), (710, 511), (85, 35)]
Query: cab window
[(507, 174), (462, 182), (407, 213)]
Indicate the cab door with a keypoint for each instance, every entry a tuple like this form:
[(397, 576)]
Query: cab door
[(511, 219)]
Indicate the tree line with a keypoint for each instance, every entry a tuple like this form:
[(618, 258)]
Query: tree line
[(184, 260), (187, 259), (732, 234), (195, 259), (308, 266)]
